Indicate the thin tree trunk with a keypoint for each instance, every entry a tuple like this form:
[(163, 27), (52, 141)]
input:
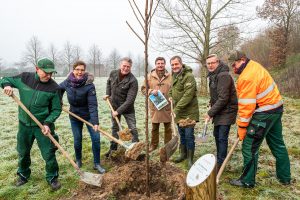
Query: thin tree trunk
[(203, 82), (146, 99)]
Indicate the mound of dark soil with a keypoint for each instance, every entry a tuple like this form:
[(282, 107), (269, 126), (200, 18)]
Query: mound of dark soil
[(127, 180)]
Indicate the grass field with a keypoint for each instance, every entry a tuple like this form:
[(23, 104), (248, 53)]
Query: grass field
[(37, 188)]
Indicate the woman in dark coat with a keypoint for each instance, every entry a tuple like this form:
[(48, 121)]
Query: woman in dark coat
[(82, 98)]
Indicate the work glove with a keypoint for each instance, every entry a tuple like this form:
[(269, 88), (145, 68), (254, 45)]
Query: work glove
[(242, 133)]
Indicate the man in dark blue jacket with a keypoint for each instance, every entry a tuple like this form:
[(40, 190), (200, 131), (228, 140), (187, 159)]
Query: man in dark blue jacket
[(122, 88)]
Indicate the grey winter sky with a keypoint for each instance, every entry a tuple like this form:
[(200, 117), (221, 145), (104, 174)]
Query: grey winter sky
[(82, 22)]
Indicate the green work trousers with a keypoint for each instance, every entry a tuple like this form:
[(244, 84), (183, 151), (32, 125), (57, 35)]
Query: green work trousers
[(265, 126), (155, 133), (25, 139)]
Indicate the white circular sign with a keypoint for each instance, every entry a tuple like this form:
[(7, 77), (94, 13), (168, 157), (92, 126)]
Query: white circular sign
[(200, 170)]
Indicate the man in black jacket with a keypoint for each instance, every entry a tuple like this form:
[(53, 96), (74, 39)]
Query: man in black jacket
[(122, 88), (223, 102)]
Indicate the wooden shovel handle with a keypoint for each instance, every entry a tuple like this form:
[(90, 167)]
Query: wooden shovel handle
[(100, 130), (227, 159), (48, 135), (112, 109), (172, 117)]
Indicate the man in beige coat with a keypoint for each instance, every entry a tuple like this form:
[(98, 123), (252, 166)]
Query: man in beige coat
[(159, 79)]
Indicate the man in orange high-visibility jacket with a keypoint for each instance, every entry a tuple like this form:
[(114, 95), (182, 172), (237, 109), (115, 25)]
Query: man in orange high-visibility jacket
[(260, 108)]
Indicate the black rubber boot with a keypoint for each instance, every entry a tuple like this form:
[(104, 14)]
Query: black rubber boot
[(239, 183), (113, 147), (21, 181), (107, 154), (55, 185), (190, 158), (183, 154)]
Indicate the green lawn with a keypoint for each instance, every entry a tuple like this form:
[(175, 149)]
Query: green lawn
[(37, 188)]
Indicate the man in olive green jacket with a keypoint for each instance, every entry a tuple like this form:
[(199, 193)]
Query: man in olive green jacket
[(184, 95), (40, 94)]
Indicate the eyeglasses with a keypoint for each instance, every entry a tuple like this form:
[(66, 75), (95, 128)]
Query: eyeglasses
[(211, 63), (82, 70)]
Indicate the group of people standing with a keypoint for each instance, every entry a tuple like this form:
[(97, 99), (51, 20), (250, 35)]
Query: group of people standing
[(256, 106)]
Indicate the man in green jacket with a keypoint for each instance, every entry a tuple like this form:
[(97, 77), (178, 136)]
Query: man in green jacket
[(184, 95), (40, 94)]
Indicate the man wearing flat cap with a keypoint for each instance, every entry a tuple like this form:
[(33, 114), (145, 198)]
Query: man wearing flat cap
[(260, 108), (40, 94)]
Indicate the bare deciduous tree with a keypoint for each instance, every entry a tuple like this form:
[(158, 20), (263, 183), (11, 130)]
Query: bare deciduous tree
[(77, 52), (139, 63), (282, 13), (34, 51), (53, 54), (228, 39), (145, 25), (294, 39), (258, 48), (95, 57), (113, 59), (68, 55), (190, 27)]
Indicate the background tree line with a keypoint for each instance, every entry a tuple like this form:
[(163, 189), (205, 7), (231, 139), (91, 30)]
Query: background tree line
[(64, 58)]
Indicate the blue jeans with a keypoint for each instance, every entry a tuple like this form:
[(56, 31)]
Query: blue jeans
[(131, 122), (77, 134), (187, 137), (221, 137)]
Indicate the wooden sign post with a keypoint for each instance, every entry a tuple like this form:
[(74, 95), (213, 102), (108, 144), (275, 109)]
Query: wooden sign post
[(201, 179)]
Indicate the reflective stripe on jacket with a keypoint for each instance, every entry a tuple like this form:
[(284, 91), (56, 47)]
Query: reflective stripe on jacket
[(257, 92)]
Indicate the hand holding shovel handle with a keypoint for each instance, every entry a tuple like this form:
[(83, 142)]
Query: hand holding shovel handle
[(103, 132), (132, 151), (116, 118), (48, 135), (226, 160)]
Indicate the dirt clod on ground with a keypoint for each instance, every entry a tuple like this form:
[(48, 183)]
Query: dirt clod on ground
[(128, 181)]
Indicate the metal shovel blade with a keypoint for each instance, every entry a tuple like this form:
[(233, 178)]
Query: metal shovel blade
[(168, 150), (92, 179), (202, 138), (199, 138)]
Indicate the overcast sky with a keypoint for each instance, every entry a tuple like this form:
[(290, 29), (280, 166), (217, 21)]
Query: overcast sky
[(82, 22)]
